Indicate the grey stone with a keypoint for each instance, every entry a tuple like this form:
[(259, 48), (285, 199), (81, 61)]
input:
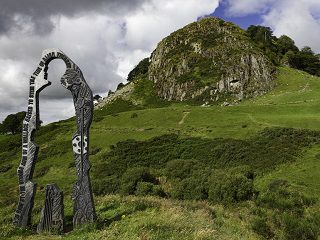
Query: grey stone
[(52, 215), (73, 80)]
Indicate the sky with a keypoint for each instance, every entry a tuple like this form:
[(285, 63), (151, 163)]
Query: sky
[(107, 38)]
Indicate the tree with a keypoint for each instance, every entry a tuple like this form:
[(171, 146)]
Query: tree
[(261, 35), (305, 60), (285, 44), (120, 85), (97, 97), (140, 69), (283, 50), (307, 50), (110, 92), (13, 123)]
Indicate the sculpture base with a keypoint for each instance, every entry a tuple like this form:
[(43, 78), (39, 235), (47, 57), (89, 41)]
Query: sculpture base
[(52, 215)]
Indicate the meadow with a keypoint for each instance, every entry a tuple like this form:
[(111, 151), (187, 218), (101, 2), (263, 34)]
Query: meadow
[(268, 147)]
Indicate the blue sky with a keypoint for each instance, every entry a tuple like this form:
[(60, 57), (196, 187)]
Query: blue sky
[(243, 21)]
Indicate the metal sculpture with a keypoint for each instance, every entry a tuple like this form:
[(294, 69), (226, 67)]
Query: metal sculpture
[(73, 80)]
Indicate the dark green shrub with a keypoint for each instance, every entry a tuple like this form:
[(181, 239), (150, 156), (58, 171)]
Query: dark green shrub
[(245, 170), (105, 185), (181, 168), (144, 188), (226, 187), (194, 156), (147, 188), (158, 191), (120, 86), (132, 177), (191, 188)]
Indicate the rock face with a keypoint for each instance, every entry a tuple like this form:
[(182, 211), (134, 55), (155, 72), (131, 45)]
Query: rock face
[(209, 60), (124, 93)]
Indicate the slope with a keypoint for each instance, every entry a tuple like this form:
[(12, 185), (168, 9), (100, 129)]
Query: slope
[(293, 103)]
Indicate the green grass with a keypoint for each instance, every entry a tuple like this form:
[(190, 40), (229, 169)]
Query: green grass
[(294, 103), (303, 173)]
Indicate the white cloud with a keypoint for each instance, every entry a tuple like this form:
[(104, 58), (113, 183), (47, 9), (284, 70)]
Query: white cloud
[(298, 19), (154, 21), (106, 48)]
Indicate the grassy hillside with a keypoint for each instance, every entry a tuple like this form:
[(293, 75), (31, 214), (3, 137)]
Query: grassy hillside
[(275, 138)]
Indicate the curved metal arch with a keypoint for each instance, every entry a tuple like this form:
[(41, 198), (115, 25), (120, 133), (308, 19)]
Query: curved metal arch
[(73, 80)]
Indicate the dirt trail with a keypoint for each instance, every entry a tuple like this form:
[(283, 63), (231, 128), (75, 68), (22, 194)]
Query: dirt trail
[(185, 114)]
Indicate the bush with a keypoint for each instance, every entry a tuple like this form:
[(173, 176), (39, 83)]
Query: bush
[(132, 177), (106, 185), (226, 187), (147, 188), (144, 188), (187, 175), (305, 60), (181, 168), (192, 188)]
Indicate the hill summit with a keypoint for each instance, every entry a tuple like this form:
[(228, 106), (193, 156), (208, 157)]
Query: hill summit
[(208, 59)]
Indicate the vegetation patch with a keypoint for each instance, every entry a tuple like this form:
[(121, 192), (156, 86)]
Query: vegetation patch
[(195, 168), (282, 208), (144, 89)]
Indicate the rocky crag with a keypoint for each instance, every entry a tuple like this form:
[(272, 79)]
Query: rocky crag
[(207, 61)]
